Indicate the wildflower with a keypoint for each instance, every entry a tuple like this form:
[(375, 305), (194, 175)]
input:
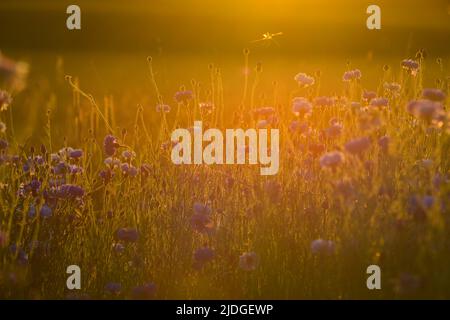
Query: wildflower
[(207, 107), (112, 162), (127, 234), (369, 95), (132, 171), (392, 87), (2, 127), (203, 256), (433, 94), (45, 211), (201, 208), (163, 108), (264, 111), (69, 191), (440, 179), (345, 187), (379, 102), (425, 109), (5, 100), (411, 66), (129, 154), (316, 149), (324, 101), (301, 106), (32, 211), (110, 145), (143, 292), (54, 157), (145, 170), (33, 186), (201, 223), (113, 287), (358, 146), (106, 175), (304, 80), (334, 130), (351, 75), (74, 169), (427, 201), (3, 144), (248, 261), (39, 160), (76, 154), (332, 159), (322, 247), (183, 96)]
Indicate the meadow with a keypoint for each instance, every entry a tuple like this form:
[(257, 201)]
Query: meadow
[(86, 179)]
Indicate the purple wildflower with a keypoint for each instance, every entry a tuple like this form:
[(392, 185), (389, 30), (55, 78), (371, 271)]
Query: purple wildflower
[(183, 96), (127, 234), (110, 145)]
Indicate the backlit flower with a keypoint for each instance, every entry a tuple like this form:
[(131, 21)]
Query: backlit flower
[(203, 256), (332, 159), (183, 96), (433, 94), (110, 145), (127, 234), (351, 75), (301, 106), (411, 66), (358, 146), (304, 80)]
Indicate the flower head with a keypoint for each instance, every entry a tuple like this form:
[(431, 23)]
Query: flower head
[(110, 145), (379, 102), (203, 256), (70, 191), (183, 96), (332, 159), (45, 211), (163, 108), (411, 66), (324, 101), (433, 94), (76, 153), (127, 234), (301, 106), (351, 75), (358, 146), (426, 110), (304, 80), (369, 95)]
